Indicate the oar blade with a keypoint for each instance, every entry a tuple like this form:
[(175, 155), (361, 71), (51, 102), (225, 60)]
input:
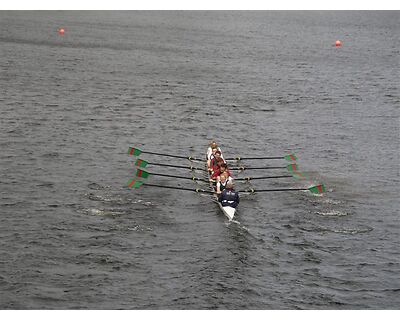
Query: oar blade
[(292, 167), (142, 174), (141, 163), (290, 157), (134, 183), (134, 151), (318, 189)]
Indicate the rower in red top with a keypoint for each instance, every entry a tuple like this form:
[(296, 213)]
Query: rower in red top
[(215, 158), (211, 151), (216, 161), (223, 169), (210, 158)]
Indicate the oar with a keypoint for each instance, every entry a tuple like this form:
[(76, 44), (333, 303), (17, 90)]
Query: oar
[(290, 167), (288, 157), (318, 189), (137, 184), (136, 152), (145, 174), (143, 164)]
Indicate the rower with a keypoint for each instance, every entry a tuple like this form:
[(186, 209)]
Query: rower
[(216, 161), (223, 169), (222, 180), (211, 146), (229, 197), (209, 158), (211, 162)]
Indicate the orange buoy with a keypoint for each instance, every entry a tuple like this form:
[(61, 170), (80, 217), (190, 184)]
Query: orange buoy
[(338, 43), (61, 31)]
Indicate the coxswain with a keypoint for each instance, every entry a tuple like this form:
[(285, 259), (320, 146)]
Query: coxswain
[(229, 197)]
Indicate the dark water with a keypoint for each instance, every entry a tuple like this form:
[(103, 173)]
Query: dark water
[(72, 236)]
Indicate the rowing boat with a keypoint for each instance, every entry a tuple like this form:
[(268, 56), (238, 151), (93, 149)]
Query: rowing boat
[(229, 212)]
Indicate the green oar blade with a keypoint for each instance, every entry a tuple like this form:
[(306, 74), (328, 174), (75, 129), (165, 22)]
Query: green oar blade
[(318, 189), (292, 167), (290, 157), (142, 174), (141, 163), (134, 184), (134, 151)]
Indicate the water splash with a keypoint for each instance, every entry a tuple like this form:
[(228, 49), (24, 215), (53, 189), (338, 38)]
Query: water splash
[(332, 213)]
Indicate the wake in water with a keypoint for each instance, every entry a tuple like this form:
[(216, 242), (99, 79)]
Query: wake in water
[(319, 228)]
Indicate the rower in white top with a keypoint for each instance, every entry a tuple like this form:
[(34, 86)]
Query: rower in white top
[(222, 181)]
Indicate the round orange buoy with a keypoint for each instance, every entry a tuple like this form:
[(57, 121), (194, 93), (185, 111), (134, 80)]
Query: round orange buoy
[(61, 31), (338, 43)]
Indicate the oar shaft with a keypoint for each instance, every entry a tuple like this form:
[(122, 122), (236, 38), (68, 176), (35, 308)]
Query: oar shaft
[(255, 168), (317, 189), (259, 178), (178, 177), (175, 166), (255, 158), (172, 156), (273, 190), (289, 157), (177, 188)]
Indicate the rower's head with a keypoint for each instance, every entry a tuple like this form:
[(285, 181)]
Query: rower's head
[(222, 178), (223, 167), (226, 174), (220, 161), (213, 144), (214, 150), (230, 185), (218, 154)]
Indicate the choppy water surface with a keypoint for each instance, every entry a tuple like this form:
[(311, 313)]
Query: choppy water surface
[(73, 236)]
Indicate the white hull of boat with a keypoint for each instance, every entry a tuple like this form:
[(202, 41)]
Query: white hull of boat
[(229, 212)]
